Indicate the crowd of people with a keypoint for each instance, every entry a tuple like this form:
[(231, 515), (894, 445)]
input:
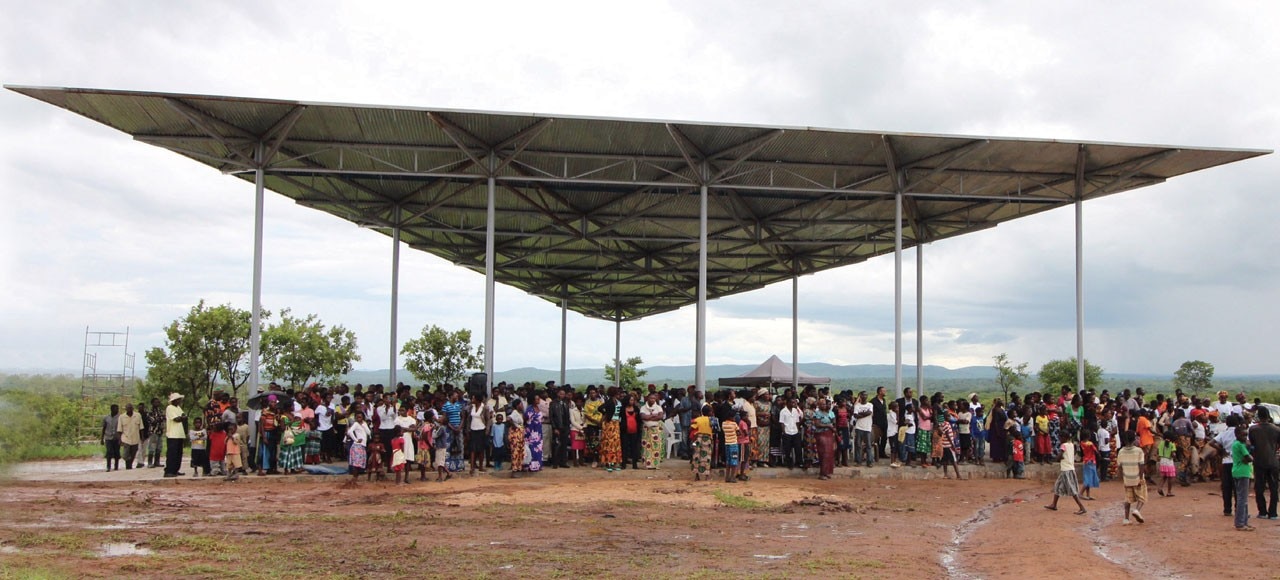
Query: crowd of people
[(387, 433)]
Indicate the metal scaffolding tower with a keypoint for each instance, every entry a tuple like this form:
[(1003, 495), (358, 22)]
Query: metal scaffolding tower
[(95, 385)]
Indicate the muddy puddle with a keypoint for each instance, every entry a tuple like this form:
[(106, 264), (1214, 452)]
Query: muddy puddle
[(120, 549)]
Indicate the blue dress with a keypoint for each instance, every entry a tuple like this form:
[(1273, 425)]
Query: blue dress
[(533, 437)]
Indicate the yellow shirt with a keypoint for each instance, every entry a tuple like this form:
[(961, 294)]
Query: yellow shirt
[(173, 429), (130, 428), (702, 426), (591, 410)]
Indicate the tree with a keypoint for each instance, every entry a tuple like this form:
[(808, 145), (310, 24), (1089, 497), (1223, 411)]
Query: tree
[(1009, 376), (1195, 376), (631, 373), (438, 356), (295, 350), (195, 348), (1056, 374)]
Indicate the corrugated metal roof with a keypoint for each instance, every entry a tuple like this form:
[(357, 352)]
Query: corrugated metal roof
[(605, 212)]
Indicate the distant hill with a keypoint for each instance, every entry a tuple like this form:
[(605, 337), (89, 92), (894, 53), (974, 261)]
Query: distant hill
[(684, 373)]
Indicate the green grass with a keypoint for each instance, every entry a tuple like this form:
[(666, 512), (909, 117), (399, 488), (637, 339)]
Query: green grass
[(196, 543), (46, 452), (737, 501), (64, 542)]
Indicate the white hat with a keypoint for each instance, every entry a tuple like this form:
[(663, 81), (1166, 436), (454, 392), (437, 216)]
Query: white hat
[(174, 397)]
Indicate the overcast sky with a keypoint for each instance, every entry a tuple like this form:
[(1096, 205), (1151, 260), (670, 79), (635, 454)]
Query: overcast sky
[(102, 231)]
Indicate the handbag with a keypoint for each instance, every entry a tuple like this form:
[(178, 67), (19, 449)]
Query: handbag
[(289, 436)]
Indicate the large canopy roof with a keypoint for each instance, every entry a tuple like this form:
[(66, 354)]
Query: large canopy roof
[(604, 213)]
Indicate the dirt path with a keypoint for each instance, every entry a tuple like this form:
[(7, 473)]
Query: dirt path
[(588, 526)]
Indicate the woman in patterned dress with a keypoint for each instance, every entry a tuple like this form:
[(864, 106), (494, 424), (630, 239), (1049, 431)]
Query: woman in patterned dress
[(515, 436), (291, 454), (533, 434), (700, 430), (610, 434), (764, 419)]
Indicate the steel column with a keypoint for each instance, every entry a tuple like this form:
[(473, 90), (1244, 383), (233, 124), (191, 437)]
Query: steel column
[(1079, 295), (617, 352), (700, 350), (395, 299), (795, 332), (897, 292), (255, 325), (1079, 191), (489, 284), (564, 326), (919, 316)]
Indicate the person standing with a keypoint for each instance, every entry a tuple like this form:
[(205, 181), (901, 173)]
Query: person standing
[(1241, 471), (651, 447), (175, 434), (129, 426), (864, 422), (1263, 438), (880, 423), (111, 437), (560, 427), (824, 421), (792, 443), (1222, 443), (1132, 463)]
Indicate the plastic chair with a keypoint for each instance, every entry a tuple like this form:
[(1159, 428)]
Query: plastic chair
[(674, 437)]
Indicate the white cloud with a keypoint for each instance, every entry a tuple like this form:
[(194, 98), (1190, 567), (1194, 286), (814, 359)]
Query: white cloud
[(103, 231)]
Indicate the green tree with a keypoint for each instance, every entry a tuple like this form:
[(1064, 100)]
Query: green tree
[(187, 362), (631, 373), (438, 356), (295, 350), (1056, 374), (1194, 376), (1008, 375)]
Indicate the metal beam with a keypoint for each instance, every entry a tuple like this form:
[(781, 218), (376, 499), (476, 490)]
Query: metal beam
[(1080, 362), (255, 323), (395, 303)]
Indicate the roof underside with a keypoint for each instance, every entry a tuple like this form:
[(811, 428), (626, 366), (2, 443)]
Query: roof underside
[(605, 212)]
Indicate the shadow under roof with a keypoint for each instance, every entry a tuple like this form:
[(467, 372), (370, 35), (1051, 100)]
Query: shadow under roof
[(605, 212)]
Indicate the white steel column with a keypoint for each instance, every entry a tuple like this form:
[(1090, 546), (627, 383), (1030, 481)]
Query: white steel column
[(617, 352), (564, 340), (395, 299), (897, 292), (1079, 295), (1080, 367), (700, 358), (919, 315), (488, 282), (795, 332), (255, 326)]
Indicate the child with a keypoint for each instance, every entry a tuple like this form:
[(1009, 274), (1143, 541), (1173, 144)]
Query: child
[(1168, 469), (397, 455), (1131, 460), (357, 436), (311, 454), (730, 430), (440, 441), (376, 469), (1088, 452), (1067, 483), (980, 430), (948, 442), (235, 448), (1043, 449), (199, 447), (217, 449), (744, 448), (498, 451), (424, 449), (1241, 472), (1017, 453)]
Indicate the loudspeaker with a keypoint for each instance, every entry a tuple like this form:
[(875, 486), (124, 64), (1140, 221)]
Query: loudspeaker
[(478, 385)]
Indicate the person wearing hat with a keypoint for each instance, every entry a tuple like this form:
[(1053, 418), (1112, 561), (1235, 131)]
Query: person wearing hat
[(175, 433)]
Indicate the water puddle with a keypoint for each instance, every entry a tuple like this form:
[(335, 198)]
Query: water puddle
[(773, 558), (1119, 554), (950, 555), (118, 549), (9, 550)]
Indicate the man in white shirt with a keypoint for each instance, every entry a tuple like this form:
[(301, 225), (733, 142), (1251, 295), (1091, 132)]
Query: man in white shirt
[(324, 417), (1104, 450), (792, 444), (1224, 406), (1222, 444), (862, 430)]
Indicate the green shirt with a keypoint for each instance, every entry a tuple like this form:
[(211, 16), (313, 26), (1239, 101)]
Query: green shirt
[(1240, 469)]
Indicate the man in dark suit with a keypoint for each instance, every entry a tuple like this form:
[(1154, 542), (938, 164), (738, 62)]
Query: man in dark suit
[(560, 439)]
